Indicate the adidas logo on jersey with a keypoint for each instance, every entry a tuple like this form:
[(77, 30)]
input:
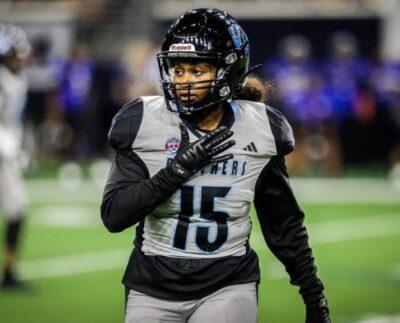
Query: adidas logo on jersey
[(251, 147)]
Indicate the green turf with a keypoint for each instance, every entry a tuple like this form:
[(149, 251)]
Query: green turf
[(361, 276)]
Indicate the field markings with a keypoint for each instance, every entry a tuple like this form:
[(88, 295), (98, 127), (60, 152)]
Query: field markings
[(344, 230), (346, 190), (396, 272), (354, 229), (307, 190), (68, 216), (379, 319), (326, 232), (75, 264), (336, 231)]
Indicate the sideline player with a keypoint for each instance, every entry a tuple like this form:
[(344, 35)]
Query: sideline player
[(14, 48), (188, 166)]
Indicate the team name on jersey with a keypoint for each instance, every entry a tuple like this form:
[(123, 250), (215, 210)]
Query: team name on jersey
[(230, 167)]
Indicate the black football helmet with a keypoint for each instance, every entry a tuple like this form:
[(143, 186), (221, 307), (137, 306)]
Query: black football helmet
[(209, 35)]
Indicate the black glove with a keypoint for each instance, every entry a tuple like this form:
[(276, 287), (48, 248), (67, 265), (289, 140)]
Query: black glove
[(318, 312), (191, 157)]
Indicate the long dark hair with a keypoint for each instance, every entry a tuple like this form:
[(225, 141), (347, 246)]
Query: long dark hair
[(256, 90)]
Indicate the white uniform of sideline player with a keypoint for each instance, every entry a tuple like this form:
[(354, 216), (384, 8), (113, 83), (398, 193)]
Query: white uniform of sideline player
[(14, 47)]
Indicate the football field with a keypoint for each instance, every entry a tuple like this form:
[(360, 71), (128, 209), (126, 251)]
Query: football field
[(75, 266)]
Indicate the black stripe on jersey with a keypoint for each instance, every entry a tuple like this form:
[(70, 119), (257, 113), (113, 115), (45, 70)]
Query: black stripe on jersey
[(188, 279), (125, 125), (139, 235), (251, 147), (139, 162), (254, 147), (281, 130), (229, 117)]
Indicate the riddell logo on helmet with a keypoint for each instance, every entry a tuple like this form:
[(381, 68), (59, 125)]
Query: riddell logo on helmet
[(182, 47)]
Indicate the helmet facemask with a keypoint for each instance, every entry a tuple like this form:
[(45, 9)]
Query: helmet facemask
[(218, 89)]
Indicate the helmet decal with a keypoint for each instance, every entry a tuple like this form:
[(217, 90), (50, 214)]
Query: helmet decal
[(231, 58), (247, 49), (238, 36), (182, 47)]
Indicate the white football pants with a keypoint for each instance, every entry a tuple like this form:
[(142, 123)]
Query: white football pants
[(232, 304)]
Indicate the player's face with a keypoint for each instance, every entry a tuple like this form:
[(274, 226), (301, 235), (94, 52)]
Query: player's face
[(186, 76)]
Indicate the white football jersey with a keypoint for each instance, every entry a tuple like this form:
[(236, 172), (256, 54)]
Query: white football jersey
[(209, 215), (13, 91)]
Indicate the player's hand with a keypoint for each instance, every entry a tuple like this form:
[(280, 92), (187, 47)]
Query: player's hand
[(191, 157), (318, 313)]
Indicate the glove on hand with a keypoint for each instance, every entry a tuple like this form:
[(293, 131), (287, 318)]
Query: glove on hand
[(191, 157), (318, 313)]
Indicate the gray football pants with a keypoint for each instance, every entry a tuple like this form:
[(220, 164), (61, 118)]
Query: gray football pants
[(232, 304)]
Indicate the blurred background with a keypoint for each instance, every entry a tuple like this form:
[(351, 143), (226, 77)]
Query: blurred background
[(333, 67)]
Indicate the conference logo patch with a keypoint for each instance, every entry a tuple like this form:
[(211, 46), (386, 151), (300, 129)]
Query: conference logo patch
[(172, 144)]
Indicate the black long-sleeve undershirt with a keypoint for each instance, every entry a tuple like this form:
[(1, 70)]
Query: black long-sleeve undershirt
[(281, 221), (130, 194)]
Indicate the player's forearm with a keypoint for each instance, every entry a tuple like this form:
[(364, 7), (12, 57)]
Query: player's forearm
[(281, 222), (289, 243), (129, 196), (127, 206)]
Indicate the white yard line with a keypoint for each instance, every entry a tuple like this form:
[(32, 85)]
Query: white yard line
[(346, 190), (345, 230), (379, 319), (75, 264), (326, 232), (337, 231), (308, 190), (396, 272), (354, 229)]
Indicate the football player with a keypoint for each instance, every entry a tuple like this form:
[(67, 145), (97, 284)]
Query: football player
[(188, 167), (14, 48)]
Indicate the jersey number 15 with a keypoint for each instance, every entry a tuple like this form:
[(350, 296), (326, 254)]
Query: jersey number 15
[(207, 212)]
